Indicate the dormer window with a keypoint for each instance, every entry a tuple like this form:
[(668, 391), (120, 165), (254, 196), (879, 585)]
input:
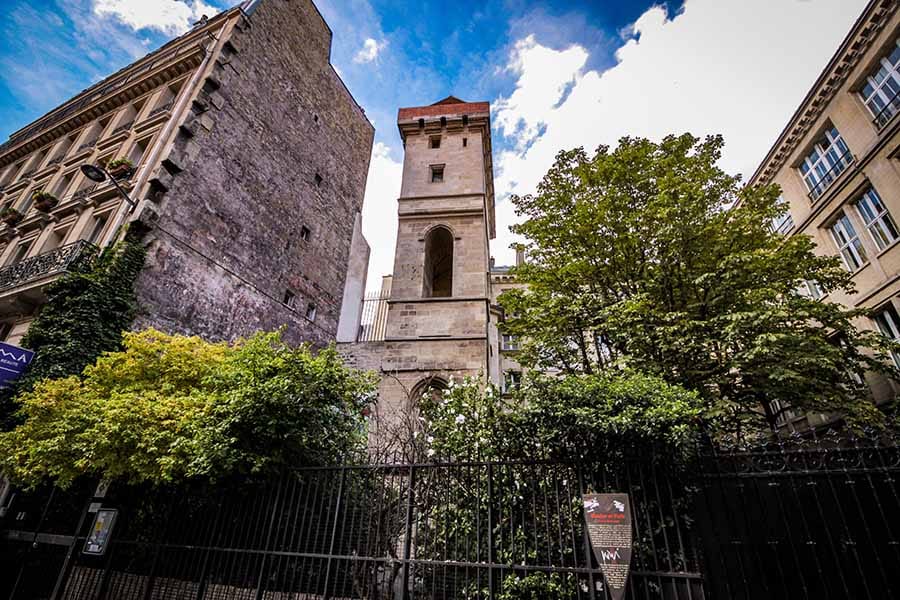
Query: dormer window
[(434, 142)]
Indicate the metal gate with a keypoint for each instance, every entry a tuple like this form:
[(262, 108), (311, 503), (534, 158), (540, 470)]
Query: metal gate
[(796, 520), (807, 519), (461, 530)]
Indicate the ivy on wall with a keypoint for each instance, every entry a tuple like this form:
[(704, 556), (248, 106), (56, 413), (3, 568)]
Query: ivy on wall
[(87, 310)]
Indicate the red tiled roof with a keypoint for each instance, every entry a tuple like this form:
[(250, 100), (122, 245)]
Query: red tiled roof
[(441, 110)]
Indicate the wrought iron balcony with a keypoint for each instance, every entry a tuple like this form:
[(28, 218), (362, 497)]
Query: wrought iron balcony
[(887, 111), (826, 179), (44, 265)]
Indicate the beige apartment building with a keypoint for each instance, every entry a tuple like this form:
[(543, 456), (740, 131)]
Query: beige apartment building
[(838, 165), (249, 160)]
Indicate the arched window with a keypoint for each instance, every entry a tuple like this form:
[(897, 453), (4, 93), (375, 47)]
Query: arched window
[(438, 264)]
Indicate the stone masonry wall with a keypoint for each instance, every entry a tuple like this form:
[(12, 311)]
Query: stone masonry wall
[(274, 143)]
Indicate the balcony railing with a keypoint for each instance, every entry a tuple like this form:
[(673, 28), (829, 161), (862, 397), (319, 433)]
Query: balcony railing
[(44, 265), (827, 178), (373, 322), (887, 111)]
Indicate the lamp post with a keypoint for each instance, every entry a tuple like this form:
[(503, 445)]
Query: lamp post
[(99, 175)]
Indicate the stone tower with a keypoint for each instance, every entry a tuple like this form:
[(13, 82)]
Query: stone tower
[(438, 318)]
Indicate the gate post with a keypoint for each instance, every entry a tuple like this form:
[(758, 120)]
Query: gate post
[(264, 564), (490, 531), (587, 542), (337, 511), (70, 553), (407, 543)]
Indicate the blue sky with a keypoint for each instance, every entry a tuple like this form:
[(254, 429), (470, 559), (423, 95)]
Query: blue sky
[(558, 74)]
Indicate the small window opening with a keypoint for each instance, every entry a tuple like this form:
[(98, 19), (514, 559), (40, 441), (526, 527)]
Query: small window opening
[(318, 179), (465, 142), (315, 118), (437, 173), (304, 233), (289, 298), (311, 311), (434, 142)]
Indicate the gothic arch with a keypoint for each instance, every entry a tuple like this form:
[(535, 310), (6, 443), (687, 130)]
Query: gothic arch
[(438, 271), (433, 384)]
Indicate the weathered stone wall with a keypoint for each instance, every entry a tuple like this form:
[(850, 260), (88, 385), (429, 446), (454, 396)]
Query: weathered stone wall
[(274, 143), (463, 165), (470, 253), (437, 317), (406, 366)]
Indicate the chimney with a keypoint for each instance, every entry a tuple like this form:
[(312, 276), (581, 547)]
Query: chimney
[(520, 256)]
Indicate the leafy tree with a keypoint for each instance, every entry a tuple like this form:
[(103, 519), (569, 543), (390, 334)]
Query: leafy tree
[(651, 256), (168, 408), (571, 416), (603, 422)]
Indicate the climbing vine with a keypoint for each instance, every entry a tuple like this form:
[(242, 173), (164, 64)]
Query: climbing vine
[(87, 310)]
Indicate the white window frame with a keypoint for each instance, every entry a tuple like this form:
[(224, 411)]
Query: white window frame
[(511, 381), (888, 322), (848, 243), (509, 342), (826, 160), (888, 100), (812, 289), (784, 223), (878, 221)]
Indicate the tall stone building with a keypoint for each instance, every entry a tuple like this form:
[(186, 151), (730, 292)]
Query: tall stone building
[(250, 160), (837, 165), (435, 319)]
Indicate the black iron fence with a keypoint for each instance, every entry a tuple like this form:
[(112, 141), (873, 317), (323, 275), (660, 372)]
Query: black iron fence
[(782, 522)]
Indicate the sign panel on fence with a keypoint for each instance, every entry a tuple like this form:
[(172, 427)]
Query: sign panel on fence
[(13, 362), (101, 531), (608, 518)]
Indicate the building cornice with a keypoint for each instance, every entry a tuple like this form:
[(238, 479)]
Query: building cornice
[(851, 50), (168, 62)]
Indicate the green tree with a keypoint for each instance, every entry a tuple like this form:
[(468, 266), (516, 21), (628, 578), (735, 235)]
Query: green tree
[(651, 256), (169, 408)]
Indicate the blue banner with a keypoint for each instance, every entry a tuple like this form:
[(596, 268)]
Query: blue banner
[(13, 362)]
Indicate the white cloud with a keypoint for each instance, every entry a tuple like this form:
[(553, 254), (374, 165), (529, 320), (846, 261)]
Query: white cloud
[(168, 16), (733, 67), (370, 50), (380, 213), (544, 75)]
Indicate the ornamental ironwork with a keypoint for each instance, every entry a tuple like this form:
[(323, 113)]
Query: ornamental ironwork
[(44, 265)]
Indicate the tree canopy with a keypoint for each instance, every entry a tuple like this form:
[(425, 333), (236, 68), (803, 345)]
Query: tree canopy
[(650, 256), (168, 408), (561, 417)]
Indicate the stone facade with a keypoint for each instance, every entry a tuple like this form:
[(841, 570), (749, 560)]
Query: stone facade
[(251, 160), (438, 321), (863, 133)]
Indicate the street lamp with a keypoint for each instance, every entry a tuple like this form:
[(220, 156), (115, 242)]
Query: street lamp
[(99, 175)]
